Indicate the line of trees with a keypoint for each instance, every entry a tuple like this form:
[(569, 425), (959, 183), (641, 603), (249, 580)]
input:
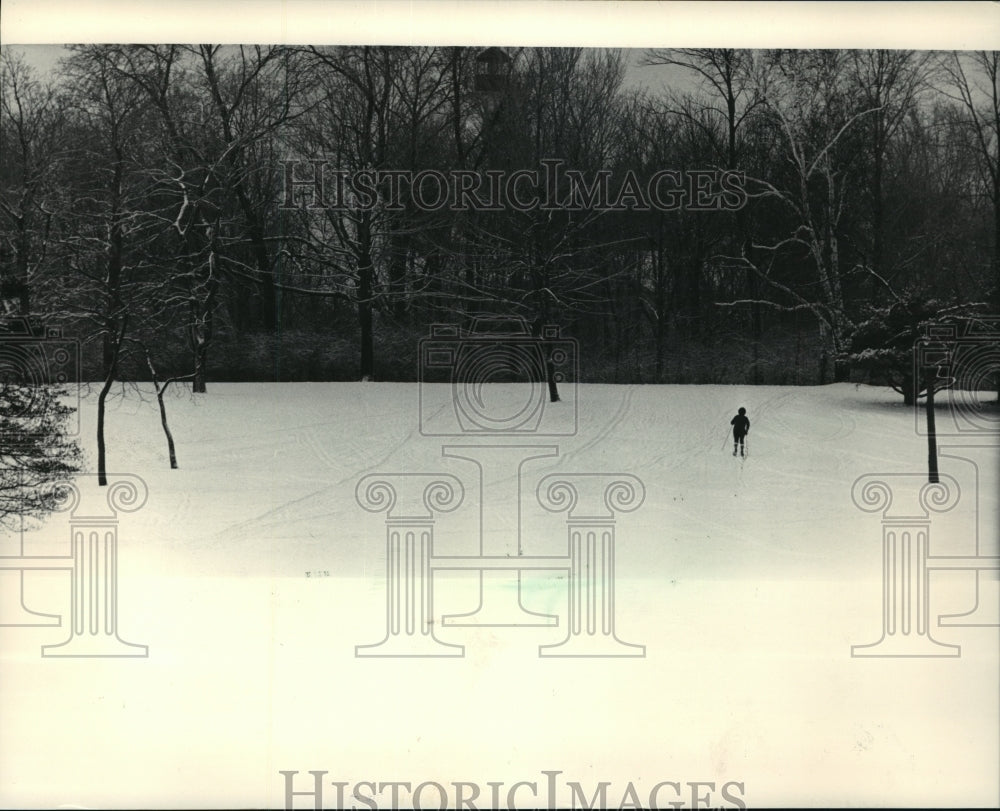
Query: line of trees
[(143, 189)]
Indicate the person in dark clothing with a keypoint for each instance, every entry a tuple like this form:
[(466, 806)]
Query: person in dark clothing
[(741, 427)]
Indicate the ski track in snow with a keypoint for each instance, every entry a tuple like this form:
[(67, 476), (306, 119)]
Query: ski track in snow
[(304, 437), (608, 428), (746, 579), (272, 465)]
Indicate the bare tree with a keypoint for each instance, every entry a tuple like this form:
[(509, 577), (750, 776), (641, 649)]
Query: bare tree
[(36, 452), (185, 167), (732, 85), (253, 92), (889, 84), (105, 217), (30, 151), (972, 82), (378, 109), (811, 109)]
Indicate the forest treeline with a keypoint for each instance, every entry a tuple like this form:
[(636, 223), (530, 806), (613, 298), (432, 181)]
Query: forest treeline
[(156, 204)]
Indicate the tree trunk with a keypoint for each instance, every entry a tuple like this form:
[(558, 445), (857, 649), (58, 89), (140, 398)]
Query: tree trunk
[(878, 216), (660, 307), (166, 428), (198, 385), (102, 464), (550, 373), (841, 370), (823, 353), (756, 330), (909, 390), (199, 347), (397, 273), (932, 461), (203, 328), (21, 278), (160, 391), (109, 379), (365, 287)]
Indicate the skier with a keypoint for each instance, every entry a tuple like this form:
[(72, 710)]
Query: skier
[(741, 427)]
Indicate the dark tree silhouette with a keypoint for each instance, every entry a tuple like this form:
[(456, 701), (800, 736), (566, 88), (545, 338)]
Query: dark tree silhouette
[(36, 450)]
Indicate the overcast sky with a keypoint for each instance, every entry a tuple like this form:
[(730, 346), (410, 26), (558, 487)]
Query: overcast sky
[(43, 58)]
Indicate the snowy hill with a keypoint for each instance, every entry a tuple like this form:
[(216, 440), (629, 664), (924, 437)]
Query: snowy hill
[(252, 573)]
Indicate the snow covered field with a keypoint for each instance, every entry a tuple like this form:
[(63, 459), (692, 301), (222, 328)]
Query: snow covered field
[(252, 573)]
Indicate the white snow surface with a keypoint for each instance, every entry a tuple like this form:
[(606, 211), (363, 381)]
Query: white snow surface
[(252, 573)]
